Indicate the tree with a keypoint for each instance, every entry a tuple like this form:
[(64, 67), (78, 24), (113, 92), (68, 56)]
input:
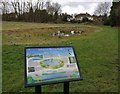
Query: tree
[(39, 5), (56, 16), (53, 8), (27, 10), (31, 14), (102, 9), (14, 4), (64, 17), (115, 14), (56, 8), (48, 7), (4, 6)]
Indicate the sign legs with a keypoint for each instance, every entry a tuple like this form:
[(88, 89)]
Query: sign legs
[(66, 88), (38, 90)]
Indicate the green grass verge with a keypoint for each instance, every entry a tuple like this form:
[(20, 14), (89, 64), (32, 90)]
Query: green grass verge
[(97, 55)]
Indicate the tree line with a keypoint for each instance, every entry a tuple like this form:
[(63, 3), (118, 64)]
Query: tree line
[(44, 12), (110, 18), (32, 11), (114, 18)]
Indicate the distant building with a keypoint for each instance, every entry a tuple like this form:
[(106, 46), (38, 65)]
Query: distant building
[(98, 19), (79, 17), (93, 18), (69, 18)]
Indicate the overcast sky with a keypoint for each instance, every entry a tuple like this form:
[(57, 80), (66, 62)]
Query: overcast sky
[(79, 6), (74, 6)]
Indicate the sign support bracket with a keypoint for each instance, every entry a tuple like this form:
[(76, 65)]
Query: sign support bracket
[(38, 89), (66, 87)]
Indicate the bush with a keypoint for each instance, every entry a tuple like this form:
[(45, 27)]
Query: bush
[(106, 21), (85, 19)]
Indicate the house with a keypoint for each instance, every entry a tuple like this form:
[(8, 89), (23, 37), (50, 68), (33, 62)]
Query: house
[(69, 18), (79, 17), (98, 19)]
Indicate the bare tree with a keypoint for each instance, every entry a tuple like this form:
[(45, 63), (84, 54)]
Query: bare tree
[(102, 8), (53, 8), (57, 7), (4, 7), (15, 6), (39, 5), (21, 7), (24, 4), (29, 5), (30, 10), (48, 5)]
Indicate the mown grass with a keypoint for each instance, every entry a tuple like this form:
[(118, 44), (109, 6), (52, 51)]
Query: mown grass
[(26, 25), (97, 54), (34, 33)]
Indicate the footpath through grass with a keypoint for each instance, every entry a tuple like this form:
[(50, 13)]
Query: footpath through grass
[(97, 54)]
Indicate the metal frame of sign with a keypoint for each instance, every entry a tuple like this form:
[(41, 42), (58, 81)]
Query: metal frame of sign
[(50, 82)]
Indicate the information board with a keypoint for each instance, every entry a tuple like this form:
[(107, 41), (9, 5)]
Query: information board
[(47, 65)]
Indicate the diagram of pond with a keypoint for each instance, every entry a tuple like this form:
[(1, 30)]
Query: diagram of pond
[(51, 62), (34, 59)]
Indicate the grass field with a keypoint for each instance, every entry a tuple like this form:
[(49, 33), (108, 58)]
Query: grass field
[(96, 49)]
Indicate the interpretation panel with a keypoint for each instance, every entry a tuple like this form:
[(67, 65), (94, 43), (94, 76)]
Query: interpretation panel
[(45, 65)]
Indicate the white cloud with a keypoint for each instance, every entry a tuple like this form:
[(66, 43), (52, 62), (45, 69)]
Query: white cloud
[(79, 6), (72, 10), (69, 10), (64, 1)]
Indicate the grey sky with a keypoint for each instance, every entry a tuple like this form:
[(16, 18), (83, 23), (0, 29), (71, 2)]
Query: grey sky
[(74, 6), (79, 6)]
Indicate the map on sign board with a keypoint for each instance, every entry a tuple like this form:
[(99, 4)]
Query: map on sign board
[(50, 64)]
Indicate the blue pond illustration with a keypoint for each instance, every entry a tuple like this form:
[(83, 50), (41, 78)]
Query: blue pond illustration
[(51, 62), (35, 58)]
